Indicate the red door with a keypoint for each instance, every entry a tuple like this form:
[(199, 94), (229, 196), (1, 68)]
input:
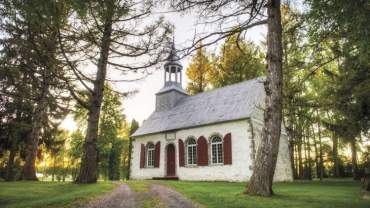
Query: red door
[(171, 168)]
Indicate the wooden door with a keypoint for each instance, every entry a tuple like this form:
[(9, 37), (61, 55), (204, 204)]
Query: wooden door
[(171, 166)]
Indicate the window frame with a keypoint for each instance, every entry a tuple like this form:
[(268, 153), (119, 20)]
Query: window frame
[(219, 151), (150, 148), (194, 147)]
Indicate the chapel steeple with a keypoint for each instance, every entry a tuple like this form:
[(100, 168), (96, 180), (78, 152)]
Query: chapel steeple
[(172, 91), (173, 68)]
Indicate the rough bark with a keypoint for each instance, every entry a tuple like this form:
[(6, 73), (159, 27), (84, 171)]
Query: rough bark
[(305, 171), (335, 156), (291, 135), (129, 158), (300, 161), (356, 176), (320, 146), (88, 170), (265, 163), (29, 168), (308, 145), (317, 163), (291, 155), (296, 173)]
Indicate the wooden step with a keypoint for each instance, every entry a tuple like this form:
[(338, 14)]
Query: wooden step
[(175, 178)]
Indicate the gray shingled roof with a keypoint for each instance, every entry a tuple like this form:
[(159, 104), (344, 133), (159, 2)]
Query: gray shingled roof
[(232, 102)]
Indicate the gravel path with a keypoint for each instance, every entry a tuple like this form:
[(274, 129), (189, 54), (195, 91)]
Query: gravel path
[(171, 198), (124, 197)]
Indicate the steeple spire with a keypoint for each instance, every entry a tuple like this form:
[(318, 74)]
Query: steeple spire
[(173, 68), (172, 91)]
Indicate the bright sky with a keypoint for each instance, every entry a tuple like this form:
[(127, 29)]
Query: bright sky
[(141, 105)]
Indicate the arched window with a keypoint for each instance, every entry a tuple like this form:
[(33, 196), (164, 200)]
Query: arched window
[(150, 155), (191, 151), (217, 150)]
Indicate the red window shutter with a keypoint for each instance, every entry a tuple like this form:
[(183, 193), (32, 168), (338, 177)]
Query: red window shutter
[(181, 153), (157, 154), (202, 151), (227, 150), (142, 156)]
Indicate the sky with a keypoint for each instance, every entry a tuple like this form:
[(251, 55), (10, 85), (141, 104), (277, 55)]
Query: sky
[(140, 105)]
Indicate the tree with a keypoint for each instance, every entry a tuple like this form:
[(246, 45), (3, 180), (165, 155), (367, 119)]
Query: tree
[(29, 50), (263, 173), (115, 159), (350, 95), (56, 146), (244, 15), (133, 128), (105, 33), (239, 60), (198, 72), (110, 137)]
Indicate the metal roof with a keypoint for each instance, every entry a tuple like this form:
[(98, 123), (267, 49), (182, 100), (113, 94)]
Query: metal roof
[(232, 102)]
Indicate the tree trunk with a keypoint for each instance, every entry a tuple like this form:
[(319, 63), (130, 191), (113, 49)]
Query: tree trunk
[(265, 163), (317, 165), (9, 175), (88, 171), (291, 153), (305, 171), (320, 146), (129, 157), (29, 168), (356, 176), (300, 161), (309, 170), (54, 166), (335, 155), (296, 162)]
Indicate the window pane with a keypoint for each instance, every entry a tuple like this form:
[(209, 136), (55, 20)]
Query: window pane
[(217, 151), (150, 157), (191, 148)]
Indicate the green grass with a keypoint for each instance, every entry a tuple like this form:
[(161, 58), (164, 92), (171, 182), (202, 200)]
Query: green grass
[(328, 194), (49, 194), (138, 185), (153, 202), (143, 186)]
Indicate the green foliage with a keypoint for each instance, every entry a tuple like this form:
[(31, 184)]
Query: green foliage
[(49, 194), (112, 142), (239, 60), (333, 194), (198, 72), (134, 126), (115, 159), (31, 75), (349, 30)]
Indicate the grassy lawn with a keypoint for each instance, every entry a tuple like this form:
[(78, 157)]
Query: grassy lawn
[(335, 194), (48, 194)]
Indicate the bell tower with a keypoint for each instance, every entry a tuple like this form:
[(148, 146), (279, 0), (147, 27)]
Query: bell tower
[(172, 91), (173, 69)]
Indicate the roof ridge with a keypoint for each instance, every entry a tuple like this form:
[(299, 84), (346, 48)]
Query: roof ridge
[(228, 86)]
